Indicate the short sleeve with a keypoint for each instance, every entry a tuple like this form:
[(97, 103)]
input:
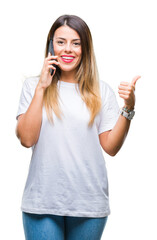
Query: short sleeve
[(26, 96), (110, 110)]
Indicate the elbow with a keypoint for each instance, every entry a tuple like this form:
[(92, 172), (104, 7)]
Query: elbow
[(113, 152), (26, 144)]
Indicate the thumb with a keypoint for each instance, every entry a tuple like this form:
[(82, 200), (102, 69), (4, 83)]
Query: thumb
[(134, 80)]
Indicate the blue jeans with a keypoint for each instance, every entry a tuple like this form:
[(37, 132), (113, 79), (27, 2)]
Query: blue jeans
[(53, 227)]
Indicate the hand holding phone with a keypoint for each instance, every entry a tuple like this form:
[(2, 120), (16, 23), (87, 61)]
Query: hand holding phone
[(47, 71)]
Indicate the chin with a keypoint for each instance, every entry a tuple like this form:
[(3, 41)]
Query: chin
[(67, 69)]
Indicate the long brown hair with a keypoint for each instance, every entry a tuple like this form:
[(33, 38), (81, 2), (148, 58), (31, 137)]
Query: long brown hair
[(87, 73)]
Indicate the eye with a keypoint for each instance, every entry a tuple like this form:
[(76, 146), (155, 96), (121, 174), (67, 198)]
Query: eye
[(77, 43), (60, 42)]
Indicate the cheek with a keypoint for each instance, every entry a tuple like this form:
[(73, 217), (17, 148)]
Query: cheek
[(79, 54), (56, 49)]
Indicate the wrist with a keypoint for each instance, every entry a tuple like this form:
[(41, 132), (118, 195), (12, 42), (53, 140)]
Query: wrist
[(128, 108), (127, 113), (39, 89)]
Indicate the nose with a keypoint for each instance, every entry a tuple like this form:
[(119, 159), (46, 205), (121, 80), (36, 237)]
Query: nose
[(68, 47)]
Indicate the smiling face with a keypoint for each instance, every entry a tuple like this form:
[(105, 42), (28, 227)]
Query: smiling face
[(67, 46)]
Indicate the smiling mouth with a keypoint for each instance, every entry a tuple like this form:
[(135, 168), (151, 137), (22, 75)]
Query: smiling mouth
[(67, 59)]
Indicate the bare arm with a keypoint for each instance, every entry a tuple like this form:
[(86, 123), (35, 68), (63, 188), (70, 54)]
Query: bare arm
[(111, 141), (29, 123)]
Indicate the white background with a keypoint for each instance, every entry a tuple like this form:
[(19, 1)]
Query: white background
[(125, 42)]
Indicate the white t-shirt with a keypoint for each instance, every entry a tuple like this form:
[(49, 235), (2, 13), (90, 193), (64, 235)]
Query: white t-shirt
[(67, 174)]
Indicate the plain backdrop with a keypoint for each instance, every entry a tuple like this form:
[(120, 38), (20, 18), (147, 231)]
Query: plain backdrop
[(125, 43)]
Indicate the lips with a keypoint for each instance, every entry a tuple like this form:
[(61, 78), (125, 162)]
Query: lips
[(67, 58)]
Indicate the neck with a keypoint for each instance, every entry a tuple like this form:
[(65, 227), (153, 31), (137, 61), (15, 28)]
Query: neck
[(68, 77)]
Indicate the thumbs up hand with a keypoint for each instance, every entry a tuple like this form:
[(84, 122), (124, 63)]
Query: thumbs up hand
[(126, 91)]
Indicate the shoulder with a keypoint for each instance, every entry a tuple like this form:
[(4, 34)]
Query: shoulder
[(105, 89), (30, 83), (104, 85)]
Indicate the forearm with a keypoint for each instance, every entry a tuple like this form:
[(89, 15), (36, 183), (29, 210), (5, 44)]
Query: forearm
[(29, 124), (117, 135), (111, 141)]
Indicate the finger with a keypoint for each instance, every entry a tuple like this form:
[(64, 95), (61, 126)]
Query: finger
[(124, 92), (122, 87), (54, 71), (124, 83), (50, 57), (134, 80), (51, 67), (53, 62), (125, 97)]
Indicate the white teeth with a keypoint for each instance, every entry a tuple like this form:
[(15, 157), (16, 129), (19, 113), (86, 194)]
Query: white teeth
[(68, 57)]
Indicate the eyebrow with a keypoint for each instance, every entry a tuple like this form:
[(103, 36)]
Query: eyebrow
[(76, 39)]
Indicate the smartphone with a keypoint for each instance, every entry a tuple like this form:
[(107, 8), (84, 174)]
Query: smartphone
[(50, 49)]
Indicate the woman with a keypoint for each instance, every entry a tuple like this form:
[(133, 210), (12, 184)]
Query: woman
[(66, 118)]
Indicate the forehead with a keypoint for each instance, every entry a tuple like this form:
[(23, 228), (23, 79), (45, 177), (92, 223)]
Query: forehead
[(66, 32)]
